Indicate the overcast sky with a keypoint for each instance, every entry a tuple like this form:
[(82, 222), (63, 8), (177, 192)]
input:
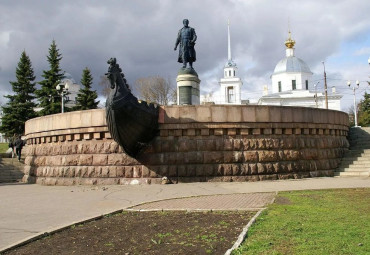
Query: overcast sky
[(141, 35)]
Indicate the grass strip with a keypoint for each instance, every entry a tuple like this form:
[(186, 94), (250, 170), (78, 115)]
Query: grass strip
[(313, 222), (3, 147)]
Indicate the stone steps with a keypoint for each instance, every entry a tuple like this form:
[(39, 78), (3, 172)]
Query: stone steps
[(356, 161), (357, 147), (360, 159), (354, 165), (4, 171), (354, 169), (356, 155), (352, 174), (11, 170)]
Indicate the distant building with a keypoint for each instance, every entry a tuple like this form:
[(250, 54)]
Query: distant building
[(73, 90), (291, 84), (230, 84), (3, 139), (70, 98)]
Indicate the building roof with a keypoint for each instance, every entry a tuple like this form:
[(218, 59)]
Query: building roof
[(291, 64)]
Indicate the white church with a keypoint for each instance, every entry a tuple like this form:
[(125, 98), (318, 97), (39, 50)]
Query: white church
[(291, 84), (230, 84)]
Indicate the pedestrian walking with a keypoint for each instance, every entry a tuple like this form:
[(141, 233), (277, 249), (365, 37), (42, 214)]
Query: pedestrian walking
[(18, 144)]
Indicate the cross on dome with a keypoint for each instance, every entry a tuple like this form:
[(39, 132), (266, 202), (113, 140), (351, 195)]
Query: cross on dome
[(289, 43)]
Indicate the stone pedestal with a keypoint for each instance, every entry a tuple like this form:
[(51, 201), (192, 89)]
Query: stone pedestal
[(188, 92), (195, 144)]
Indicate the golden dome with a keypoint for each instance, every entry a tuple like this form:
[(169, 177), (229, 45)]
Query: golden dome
[(289, 43)]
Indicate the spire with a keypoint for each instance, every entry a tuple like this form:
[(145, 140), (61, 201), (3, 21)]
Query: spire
[(228, 41), (230, 62)]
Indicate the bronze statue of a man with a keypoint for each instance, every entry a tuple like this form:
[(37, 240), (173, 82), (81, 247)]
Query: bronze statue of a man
[(186, 38)]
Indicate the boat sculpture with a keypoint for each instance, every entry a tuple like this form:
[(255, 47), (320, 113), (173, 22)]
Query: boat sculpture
[(132, 123)]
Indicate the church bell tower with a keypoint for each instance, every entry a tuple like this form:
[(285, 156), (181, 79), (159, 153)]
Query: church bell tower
[(230, 83)]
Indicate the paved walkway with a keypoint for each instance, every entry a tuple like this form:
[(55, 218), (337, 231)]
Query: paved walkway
[(249, 201), (28, 210)]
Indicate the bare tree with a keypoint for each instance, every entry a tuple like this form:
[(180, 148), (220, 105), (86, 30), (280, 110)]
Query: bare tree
[(156, 89), (351, 114), (105, 84)]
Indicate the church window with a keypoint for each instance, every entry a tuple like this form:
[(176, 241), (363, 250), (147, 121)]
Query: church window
[(279, 86), (294, 86), (230, 95), (234, 72), (306, 84), (229, 72)]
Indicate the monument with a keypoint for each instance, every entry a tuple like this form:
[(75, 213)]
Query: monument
[(188, 92), (133, 142), (131, 123)]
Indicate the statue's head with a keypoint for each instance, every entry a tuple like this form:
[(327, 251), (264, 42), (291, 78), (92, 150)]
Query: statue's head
[(185, 22)]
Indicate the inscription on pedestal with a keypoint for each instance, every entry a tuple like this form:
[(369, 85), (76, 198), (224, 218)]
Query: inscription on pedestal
[(185, 95)]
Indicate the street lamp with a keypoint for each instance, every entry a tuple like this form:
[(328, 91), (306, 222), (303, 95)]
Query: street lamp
[(62, 89), (368, 60), (326, 87), (354, 98), (315, 85)]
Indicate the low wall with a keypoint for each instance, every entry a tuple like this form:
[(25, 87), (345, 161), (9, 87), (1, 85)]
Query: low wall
[(195, 143)]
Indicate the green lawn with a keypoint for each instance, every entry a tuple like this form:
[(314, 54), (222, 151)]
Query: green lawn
[(313, 222), (3, 147)]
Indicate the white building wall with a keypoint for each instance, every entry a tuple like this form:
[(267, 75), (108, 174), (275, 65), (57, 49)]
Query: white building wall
[(302, 98), (334, 104), (224, 97), (286, 81), (3, 139), (72, 95)]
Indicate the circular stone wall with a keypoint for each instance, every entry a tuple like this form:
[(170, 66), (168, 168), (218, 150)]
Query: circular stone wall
[(194, 143)]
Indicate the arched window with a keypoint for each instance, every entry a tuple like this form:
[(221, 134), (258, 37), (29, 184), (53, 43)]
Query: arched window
[(230, 95)]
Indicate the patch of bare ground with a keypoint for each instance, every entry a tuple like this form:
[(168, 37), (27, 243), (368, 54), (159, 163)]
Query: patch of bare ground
[(169, 232), (283, 200)]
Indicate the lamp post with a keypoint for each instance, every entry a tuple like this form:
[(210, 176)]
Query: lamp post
[(62, 89), (315, 85), (354, 98), (326, 87), (368, 60)]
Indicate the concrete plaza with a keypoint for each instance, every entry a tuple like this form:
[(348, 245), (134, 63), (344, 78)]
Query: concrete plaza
[(28, 210)]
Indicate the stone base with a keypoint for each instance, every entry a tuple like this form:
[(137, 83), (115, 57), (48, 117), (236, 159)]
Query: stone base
[(188, 92), (195, 144), (68, 181)]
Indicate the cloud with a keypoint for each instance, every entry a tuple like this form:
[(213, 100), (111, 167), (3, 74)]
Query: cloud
[(141, 35), (362, 51)]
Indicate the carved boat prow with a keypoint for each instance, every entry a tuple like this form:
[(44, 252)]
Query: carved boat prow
[(132, 123)]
